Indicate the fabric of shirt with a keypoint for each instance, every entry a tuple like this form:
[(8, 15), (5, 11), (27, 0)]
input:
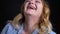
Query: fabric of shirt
[(9, 29)]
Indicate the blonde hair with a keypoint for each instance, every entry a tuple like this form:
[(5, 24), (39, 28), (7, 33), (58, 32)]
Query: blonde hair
[(44, 25)]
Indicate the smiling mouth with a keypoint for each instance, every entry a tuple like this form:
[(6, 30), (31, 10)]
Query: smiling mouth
[(31, 7)]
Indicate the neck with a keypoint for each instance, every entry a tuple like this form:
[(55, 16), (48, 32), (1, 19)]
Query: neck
[(30, 24)]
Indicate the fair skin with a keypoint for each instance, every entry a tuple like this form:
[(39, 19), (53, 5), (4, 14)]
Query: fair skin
[(32, 11)]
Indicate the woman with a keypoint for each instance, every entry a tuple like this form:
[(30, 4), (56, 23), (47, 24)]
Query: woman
[(33, 19)]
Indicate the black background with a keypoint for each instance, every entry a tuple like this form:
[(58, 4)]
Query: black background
[(10, 8)]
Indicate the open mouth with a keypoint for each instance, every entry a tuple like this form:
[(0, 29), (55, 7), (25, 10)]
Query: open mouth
[(31, 7)]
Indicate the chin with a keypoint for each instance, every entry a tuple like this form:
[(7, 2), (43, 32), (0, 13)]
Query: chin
[(30, 12)]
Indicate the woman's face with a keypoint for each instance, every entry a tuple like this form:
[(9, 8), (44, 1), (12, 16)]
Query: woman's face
[(33, 7)]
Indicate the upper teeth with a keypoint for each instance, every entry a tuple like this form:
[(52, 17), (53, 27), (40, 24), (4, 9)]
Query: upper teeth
[(31, 7)]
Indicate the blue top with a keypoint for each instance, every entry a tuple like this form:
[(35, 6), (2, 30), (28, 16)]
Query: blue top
[(9, 29)]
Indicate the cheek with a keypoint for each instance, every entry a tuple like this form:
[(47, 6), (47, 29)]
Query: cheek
[(39, 10), (40, 7), (25, 6)]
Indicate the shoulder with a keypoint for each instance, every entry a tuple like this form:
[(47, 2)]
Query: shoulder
[(9, 29), (8, 25), (52, 32), (6, 28)]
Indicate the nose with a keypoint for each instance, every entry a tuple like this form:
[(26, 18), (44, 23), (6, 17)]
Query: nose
[(31, 2)]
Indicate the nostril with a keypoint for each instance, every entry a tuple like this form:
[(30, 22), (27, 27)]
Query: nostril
[(31, 3)]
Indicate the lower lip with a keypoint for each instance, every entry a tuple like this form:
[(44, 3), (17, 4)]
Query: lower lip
[(31, 9)]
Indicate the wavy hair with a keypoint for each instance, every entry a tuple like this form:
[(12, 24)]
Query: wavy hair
[(44, 25)]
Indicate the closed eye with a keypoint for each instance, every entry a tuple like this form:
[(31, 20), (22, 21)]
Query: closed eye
[(37, 1), (27, 0)]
